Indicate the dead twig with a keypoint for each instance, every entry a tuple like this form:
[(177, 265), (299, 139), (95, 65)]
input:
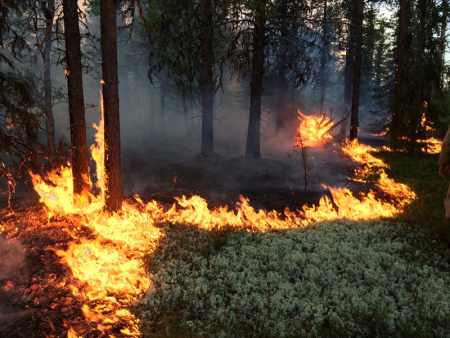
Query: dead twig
[(338, 123)]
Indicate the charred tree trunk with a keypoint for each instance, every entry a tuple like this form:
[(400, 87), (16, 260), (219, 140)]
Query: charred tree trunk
[(49, 13), (354, 124), (398, 76), (349, 71), (113, 191), (253, 148), (80, 168), (207, 81), (323, 58)]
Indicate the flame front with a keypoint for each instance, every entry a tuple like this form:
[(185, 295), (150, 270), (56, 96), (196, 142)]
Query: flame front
[(314, 129), (109, 267)]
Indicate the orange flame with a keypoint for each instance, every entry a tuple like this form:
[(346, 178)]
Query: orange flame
[(314, 129), (109, 267)]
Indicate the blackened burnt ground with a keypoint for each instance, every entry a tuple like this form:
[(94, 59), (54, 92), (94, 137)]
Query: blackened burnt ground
[(269, 184)]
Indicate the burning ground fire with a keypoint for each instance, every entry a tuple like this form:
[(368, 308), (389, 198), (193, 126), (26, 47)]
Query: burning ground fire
[(108, 267), (314, 130), (431, 145)]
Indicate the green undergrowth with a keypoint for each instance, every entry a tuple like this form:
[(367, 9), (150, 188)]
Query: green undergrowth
[(333, 279), (380, 278), (420, 173)]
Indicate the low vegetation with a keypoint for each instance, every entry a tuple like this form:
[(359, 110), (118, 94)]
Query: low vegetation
[(420, 173), (383, 278), (335, 279)]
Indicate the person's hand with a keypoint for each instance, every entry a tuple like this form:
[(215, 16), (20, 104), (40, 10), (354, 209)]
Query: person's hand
[(444, 170)]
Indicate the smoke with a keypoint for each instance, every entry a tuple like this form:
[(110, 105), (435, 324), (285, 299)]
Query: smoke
[(12, 258), (152, 141)]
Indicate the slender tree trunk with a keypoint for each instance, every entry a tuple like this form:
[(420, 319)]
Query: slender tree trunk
[(442, 40), (185, 114), (49, 14), (207, 82), (323, 58), (354, 124), (80, 168), (282, 115), (162, 110), (113, 193), (349, 71), (253, 148), (417, 101), (398, 76)]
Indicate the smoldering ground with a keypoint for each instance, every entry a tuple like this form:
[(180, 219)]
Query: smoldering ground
[(12, 276)]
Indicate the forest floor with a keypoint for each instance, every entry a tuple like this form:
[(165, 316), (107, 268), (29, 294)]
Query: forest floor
[(35, 298)]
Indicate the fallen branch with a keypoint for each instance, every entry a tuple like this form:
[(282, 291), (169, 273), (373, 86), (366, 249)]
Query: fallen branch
[(338, 123)]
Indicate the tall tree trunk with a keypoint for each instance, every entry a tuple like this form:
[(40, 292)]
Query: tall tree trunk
[(398, 76), (349, 71), (207, 82), (185, 114), (113, 193), (80, 168), (417, 101), (162, 110), (354, 124), (253, 148), (442, 40), (323, 58), (49, 13), (282, 114)]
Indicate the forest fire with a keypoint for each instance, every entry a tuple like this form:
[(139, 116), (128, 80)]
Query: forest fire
[(108, 267), (361, 153), (198, 163), (315, 130)]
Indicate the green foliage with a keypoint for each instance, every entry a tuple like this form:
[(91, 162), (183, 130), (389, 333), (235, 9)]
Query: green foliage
[(420, 173), (420, 89), (175, 57)]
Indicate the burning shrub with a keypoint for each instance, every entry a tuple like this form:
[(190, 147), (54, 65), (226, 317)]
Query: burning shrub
[(338, 278)]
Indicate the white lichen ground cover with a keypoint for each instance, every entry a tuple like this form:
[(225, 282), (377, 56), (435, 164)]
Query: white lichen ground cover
[(335, 279)]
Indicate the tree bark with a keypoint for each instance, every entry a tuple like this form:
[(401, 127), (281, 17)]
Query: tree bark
[(113, 193), (207, 81), (323, 59), (80, 168), (354, 124), (442, 40), (416, 109), (282, 115), (253, 149), (49, 13), (349, 71), (398, 76)]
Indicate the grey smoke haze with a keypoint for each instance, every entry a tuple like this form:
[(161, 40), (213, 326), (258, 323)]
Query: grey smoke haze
[(142, 144), (12, 258)]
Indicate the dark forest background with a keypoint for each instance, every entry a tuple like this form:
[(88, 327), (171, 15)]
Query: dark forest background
[(215, 77)]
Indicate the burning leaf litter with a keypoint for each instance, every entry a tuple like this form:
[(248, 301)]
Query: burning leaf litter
[(109, 268)]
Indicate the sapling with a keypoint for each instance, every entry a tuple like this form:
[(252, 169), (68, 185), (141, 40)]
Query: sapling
[(301, 146)]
